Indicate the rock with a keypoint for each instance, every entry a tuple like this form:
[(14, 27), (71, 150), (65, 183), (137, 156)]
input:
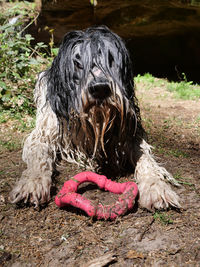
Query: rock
[(162, 36)]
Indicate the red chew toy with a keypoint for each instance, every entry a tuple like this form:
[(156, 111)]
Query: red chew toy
[(68, 195)]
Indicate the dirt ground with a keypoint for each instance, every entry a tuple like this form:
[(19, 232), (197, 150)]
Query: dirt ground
[(67, 237)]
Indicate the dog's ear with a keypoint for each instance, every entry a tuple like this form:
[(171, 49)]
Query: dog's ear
[(126, 68), (61, 93), (127, 74)]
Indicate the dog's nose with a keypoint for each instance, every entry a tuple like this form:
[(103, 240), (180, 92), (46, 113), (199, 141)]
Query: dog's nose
[(100, 90)]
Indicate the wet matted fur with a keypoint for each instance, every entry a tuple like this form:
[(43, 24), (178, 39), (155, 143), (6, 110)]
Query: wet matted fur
[(87, 113)]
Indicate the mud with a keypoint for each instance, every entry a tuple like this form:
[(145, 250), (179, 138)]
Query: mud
[(67, 237)]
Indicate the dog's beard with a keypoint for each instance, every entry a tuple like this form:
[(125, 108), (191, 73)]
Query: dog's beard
[(100, 119), (103, 121)]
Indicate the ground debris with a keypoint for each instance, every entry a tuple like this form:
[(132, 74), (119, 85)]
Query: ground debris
[(6, 256), (146, 229), (133, 254), (66, 237), (100, 261)]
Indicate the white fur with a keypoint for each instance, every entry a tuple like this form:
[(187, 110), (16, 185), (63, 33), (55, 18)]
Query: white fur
[(152, 180), (40, 153)]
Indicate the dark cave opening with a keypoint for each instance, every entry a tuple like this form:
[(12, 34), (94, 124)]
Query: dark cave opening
[(175, 57), (163, 37)]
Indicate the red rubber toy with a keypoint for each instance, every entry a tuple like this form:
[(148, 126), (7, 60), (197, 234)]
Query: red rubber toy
[(68, 196)]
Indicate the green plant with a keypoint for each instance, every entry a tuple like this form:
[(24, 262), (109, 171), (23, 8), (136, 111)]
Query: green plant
[(163, 218), (93, 2), (198, 118), (147, 78), (53, 50), (183, 180), (20, 122), (9, 145), (149, 81), (19, 61), (184, 89), (177, 153)]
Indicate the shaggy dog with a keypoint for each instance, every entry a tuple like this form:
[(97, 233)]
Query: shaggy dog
[(87, 113)]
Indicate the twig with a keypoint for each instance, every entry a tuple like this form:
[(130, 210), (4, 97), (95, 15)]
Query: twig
[(29, 23), (146, 230)]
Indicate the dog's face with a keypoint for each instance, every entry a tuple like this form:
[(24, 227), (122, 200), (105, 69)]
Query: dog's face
[(98, 66), (95, 63), (92, 78)]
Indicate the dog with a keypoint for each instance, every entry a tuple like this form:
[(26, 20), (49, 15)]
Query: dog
[(88, 114)]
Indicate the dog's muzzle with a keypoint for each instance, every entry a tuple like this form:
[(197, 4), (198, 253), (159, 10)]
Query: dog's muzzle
[(99, 86), (99, 90)]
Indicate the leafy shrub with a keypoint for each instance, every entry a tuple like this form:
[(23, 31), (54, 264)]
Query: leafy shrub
[(19, 61)]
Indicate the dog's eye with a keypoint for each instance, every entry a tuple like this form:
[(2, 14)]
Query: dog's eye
[(77, 56), (110, 59), (78, 64)]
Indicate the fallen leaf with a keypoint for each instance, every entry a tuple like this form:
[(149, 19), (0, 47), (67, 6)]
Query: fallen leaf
[(133, 254)]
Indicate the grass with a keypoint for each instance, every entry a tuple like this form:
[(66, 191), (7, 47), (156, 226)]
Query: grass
[(177, 153), (149, 81), (162, 218), (20, 121), (198, 118), (146, 78), (9, 145), (182, 90), (172, 152), (183, 180)]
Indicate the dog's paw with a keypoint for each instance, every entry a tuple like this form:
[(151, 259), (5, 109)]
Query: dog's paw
[(34, 191), (158, 195)]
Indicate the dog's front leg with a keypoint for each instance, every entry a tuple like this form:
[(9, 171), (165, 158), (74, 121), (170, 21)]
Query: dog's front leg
[(152, 179), (39, 153), (35, 182)]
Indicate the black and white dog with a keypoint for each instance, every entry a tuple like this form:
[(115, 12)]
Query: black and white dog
[(87, 113)]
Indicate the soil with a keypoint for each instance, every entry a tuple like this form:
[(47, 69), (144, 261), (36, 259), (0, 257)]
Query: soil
[(67, 237)]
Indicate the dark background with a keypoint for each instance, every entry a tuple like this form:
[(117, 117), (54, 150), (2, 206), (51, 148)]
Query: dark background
[(163, 36)]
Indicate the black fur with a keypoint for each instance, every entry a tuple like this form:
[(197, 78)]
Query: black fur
[(79, 52), (92, 77)]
